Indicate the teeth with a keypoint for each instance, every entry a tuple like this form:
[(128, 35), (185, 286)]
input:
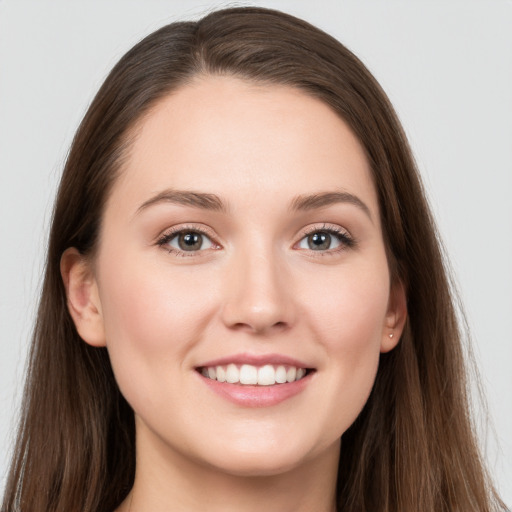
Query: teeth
[(221, 374), (232, 374), (281, 375), (248, 374), (266, 375)]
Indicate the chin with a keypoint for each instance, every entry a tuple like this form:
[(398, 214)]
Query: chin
[(267, 459), (258, 465)]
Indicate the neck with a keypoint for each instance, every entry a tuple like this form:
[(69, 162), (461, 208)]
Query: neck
[(171, 482)]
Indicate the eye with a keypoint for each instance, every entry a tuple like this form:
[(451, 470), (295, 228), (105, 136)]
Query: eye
[(319, 241), (326, 239), (186, 241)]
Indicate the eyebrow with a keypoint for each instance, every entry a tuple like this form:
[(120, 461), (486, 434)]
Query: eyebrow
[(213, 202), (200, 200), (324, 199)]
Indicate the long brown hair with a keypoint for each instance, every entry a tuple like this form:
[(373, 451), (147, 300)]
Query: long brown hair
[(412, 448)]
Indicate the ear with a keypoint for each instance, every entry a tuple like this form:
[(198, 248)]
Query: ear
[(396, 316), (82, 297)]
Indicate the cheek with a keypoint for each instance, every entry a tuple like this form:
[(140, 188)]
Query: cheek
[(141, 300), (348, 321), (152, 317), (350, 309)]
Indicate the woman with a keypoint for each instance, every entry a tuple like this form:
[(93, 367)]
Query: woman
[(245, 304)]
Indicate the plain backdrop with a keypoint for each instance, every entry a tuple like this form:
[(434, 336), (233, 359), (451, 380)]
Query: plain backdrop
[(446, 65)]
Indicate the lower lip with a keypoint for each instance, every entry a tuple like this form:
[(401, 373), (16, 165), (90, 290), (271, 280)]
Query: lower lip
[(257, 396)]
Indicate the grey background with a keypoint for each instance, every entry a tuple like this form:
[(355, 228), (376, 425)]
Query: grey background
[(446, 65)]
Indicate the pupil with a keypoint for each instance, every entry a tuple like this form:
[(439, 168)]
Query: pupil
[(319, 241), (190, 241)]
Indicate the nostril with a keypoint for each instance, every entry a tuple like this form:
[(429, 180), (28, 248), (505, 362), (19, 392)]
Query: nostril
[(260, 327)]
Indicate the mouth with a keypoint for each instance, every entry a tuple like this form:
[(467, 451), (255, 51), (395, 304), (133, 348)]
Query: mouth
[(254, 375), (256, 380), (250, 380)]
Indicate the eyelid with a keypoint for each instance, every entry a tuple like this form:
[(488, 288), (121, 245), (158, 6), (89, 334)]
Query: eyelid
[(325, 226)]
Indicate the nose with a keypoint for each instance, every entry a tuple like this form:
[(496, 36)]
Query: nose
[(258, 294)]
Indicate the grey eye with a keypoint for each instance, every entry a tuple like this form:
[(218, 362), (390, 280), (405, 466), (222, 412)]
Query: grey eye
[(319, 241)]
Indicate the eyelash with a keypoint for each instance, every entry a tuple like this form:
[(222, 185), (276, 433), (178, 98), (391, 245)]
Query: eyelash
[(164, 240), (345, 239), (342, 235)]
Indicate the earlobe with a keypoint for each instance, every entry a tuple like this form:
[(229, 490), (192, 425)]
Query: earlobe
[(82, 297), (395, 317)]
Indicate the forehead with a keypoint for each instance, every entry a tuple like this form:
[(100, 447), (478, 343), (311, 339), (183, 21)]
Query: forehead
[(232, 137)]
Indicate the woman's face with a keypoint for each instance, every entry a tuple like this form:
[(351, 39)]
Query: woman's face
[(242, 241)]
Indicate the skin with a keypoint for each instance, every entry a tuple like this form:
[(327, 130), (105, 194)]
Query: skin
[(258, 288)]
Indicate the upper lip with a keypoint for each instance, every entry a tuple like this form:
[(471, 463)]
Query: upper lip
[(256, 360)]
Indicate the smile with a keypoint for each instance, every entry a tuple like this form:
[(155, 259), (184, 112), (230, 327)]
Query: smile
[(250, 375), (249, 380)]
